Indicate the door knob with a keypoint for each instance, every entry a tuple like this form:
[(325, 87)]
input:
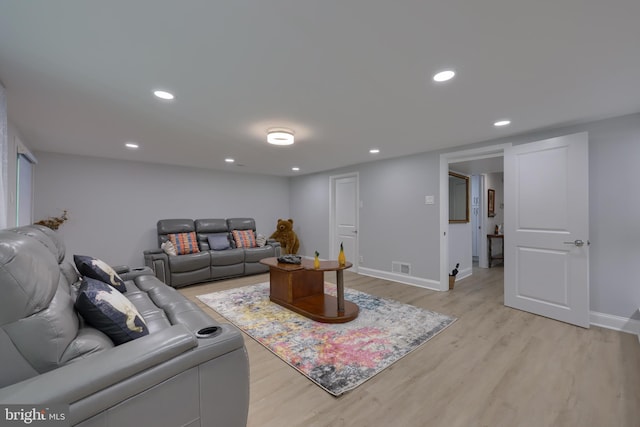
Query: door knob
[(577, 243)]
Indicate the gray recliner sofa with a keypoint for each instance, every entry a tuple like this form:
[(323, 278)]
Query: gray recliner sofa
[(50, 355), (208, 264)]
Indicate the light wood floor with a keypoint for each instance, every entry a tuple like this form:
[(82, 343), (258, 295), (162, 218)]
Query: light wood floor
[(495, 366)]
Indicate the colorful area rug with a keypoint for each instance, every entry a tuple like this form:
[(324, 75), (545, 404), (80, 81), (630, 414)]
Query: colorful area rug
[(337, 357)]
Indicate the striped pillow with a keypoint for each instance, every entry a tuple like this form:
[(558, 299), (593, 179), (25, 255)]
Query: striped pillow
[(185, 243), (244, 238)]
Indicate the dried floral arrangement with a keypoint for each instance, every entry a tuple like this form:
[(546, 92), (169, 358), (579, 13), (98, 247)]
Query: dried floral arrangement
[(54, 222)]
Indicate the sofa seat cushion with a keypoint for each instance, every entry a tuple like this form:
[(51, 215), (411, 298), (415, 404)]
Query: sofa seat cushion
[(155, 317), (109, 311), (228, 257), (256, 254), (189, 262)]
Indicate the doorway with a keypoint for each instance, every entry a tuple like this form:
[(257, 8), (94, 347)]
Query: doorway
[(484, 163), (343, 224), (546, 239)]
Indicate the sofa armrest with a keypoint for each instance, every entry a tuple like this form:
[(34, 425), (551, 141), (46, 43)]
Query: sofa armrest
[(158, 261), (80, 379), (276, 246), (135, 272), (273, 242), (121, 269), (104, 380)]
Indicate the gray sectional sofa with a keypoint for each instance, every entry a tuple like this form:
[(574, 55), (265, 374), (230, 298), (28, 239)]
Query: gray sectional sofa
[(187, 370), (207, 264)]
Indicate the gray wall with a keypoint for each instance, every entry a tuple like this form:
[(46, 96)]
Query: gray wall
[(114, 205), (395, 225)]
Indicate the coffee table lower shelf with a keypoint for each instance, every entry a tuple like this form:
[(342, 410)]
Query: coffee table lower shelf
[(321, 308)]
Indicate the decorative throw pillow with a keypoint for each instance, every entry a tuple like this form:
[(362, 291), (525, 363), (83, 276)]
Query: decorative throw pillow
[(168, 248), (185, 243), (218, 241), (261, 240), (109, 311), (99, 270), (244, 238)]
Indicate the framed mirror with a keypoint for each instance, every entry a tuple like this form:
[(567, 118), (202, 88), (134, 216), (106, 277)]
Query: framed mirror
[(458, 198)]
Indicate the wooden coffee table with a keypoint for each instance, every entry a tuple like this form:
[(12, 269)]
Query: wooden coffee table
[(300, 288)]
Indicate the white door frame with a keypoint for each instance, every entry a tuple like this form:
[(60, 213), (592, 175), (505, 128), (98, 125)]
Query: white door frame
[(445, 159), (333, 246)]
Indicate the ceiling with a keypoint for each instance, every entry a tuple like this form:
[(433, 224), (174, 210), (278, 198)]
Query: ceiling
[(345, 76)]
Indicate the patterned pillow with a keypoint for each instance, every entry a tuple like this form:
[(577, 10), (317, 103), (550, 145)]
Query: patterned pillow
[(261, 240), (99, 270), (185, 243), (244, 238), (218, 241), (168, 248), (109, 311)]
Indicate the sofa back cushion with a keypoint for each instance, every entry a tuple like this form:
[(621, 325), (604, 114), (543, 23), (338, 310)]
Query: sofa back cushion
[(49, 238), (208, 227), (29, 276), (241, 224), (173, 226), (37, 317)]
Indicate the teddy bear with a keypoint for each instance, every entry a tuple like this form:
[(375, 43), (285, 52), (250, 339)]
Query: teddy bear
[(286, 236)]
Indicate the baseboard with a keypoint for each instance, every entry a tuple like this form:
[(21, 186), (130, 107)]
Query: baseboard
[(401, 278), (617, 323), (463, 274)]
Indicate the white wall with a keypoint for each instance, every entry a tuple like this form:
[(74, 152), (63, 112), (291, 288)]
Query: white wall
[(495, 181), (460, 249), (114, 205)]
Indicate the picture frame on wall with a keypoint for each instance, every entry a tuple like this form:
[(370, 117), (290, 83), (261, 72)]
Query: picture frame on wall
[(492, 203)]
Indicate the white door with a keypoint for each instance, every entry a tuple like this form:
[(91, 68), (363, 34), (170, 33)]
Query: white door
[(547, 228), (345, 217)]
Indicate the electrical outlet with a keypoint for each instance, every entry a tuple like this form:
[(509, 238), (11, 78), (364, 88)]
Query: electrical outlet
[(428, 200), (361, 259)]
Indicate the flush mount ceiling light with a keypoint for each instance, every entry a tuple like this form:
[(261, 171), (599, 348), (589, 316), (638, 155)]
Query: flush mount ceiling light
[(163, 94), (280, 136), (132, 145), (501, 123), (374, 151), (443, 76), (229, 160), (295, 169)]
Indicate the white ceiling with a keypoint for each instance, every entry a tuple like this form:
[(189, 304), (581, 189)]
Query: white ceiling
[(345, 76)]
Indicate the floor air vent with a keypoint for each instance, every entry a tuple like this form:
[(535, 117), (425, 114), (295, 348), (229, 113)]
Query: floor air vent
[(400, 267)]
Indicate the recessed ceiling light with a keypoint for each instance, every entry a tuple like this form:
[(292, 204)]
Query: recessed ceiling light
[(280, 136), (163, 94), (295, 169), (443, 76), (374, 150), (229, 160), (132, 145), (500, 123)]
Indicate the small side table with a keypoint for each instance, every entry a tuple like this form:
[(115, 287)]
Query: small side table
[(490, 238)]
